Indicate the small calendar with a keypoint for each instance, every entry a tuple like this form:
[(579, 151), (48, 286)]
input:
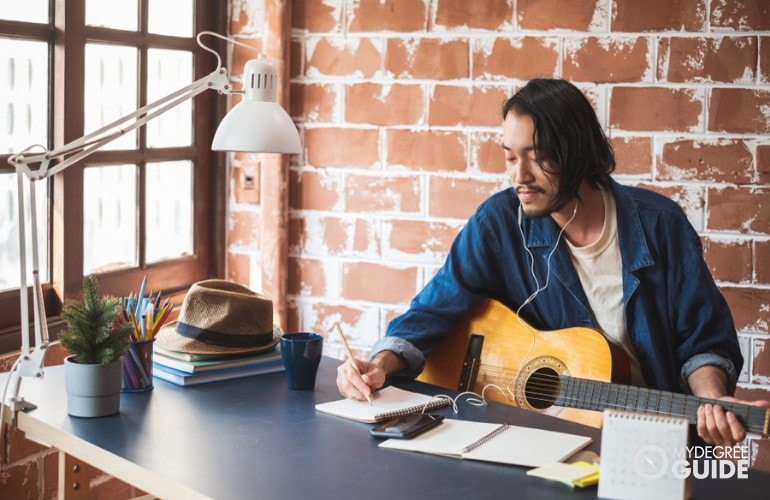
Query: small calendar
[(640, 456)]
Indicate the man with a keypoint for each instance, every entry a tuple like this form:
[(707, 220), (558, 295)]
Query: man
[(567, 246)]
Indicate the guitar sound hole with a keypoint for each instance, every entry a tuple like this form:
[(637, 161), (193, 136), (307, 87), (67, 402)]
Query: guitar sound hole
[(541, 388)]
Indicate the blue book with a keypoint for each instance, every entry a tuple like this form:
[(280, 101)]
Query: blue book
[(167, 359), (183, 378)]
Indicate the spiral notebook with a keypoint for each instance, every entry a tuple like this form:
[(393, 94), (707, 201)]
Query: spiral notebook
[(387, 403), (506, 444)]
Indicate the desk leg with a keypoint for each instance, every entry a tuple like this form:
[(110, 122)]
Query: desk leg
[(74, 478)]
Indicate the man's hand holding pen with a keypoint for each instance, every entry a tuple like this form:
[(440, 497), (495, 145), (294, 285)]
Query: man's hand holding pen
[(353, 385)]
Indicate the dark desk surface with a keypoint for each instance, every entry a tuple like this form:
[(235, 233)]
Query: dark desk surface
[(253, 438)]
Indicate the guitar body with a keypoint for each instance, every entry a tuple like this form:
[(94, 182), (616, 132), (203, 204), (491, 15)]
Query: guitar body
[(524, 362)]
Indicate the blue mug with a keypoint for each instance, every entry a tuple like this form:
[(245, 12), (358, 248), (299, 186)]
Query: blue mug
[(301, 354)]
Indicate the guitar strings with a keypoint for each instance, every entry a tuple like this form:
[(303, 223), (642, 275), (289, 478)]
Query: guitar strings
[(542, 390)]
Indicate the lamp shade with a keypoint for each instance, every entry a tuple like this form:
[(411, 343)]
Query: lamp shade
[(258, 124)]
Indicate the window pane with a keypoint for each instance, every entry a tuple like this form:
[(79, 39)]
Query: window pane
[(120, 15), (167, 72), (169, 220), (9, 232), (23, 94), (109, 218), (33, 11), (171, 17), (110, 89)]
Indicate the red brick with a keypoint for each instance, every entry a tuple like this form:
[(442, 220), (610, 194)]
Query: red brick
[(342, 147), (241, 55), (298, 234), (293, 317), (607, 59), (728, 260), (378, 282), (316, 16), (633, 155), (493, 15), (458, 198), (655, 109), (244, 229), (359, 325), (520, 58), (764, 59), (659, 15), (750, 312), (20, 481), (763, 160), (739, 110), (246, 188), (718, 160), (297, 54), (418, 237), (760, 364), (762, 262), (387, 15), (306, 277), (469, 107), (241, 21), (353, 57), (427, 58), (311, 190), (751, 393), (487, 153), (760, 454), (723, 59), (691, 197), (313, 102), (393, 193), (746, 210), (349, 236), (575, 15), (743, 15), (238, 267), (427, 150), (377, 104)]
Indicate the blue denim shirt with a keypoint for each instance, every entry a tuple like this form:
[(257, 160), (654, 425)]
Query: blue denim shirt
[(676, 317)]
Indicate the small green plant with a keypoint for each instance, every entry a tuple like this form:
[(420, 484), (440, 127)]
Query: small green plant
[(96, 332)]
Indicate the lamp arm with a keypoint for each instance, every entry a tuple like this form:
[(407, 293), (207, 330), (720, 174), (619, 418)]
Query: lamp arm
[(37, 165)]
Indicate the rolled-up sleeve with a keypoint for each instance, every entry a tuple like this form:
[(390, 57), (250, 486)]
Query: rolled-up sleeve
[(706, 359), (415, 360)]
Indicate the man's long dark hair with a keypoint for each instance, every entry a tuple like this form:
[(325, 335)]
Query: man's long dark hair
[(568, 140)]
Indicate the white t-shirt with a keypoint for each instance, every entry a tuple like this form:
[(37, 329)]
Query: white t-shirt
[(600, 270)]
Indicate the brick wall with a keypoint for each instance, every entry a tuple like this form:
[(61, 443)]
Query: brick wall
[(398, 103)]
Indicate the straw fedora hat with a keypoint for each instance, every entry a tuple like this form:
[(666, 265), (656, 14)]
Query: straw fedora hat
[(221, 317)]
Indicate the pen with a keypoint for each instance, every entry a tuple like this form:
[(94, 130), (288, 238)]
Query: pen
[(350, 355)]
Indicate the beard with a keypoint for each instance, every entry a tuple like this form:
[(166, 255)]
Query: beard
[(538, 212)]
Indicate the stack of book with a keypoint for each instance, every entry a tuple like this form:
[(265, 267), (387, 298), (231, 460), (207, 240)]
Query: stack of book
[(191, 369)]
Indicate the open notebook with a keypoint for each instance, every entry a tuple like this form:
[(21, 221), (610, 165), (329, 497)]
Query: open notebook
[(387, 403), (507, 444)]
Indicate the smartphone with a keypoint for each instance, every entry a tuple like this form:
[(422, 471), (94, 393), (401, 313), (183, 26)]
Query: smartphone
[(407, 426)]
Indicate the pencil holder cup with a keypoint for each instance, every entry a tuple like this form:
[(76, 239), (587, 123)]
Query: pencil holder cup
[(137, 367), (301, 354)]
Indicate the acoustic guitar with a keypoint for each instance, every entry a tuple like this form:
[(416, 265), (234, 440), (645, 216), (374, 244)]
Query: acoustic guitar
[(572, 373)]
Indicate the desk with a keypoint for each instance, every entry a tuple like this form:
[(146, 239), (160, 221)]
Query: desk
[(253, 438)]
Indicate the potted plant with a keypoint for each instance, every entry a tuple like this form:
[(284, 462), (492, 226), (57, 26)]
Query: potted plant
[(97, 337)]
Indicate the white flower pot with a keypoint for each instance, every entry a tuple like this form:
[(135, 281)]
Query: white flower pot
[(92, 390)]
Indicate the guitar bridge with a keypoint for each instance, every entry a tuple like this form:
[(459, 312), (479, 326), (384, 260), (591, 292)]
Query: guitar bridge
[(471, 363)]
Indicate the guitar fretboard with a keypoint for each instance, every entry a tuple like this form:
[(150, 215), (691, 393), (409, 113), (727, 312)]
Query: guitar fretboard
[(592, 395)]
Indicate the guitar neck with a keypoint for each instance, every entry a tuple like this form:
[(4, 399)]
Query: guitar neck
[(592, 395)]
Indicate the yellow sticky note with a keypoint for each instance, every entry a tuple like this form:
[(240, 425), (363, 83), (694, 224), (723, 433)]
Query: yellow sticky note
[(569, 474)]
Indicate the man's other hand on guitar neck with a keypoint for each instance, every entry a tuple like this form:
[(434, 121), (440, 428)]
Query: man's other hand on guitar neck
[(715, 425), (373, 375)]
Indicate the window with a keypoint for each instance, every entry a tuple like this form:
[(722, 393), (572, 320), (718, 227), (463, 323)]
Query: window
[(146, 203)]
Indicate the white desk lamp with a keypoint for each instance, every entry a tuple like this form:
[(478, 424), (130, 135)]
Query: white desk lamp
[(257, 124)]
